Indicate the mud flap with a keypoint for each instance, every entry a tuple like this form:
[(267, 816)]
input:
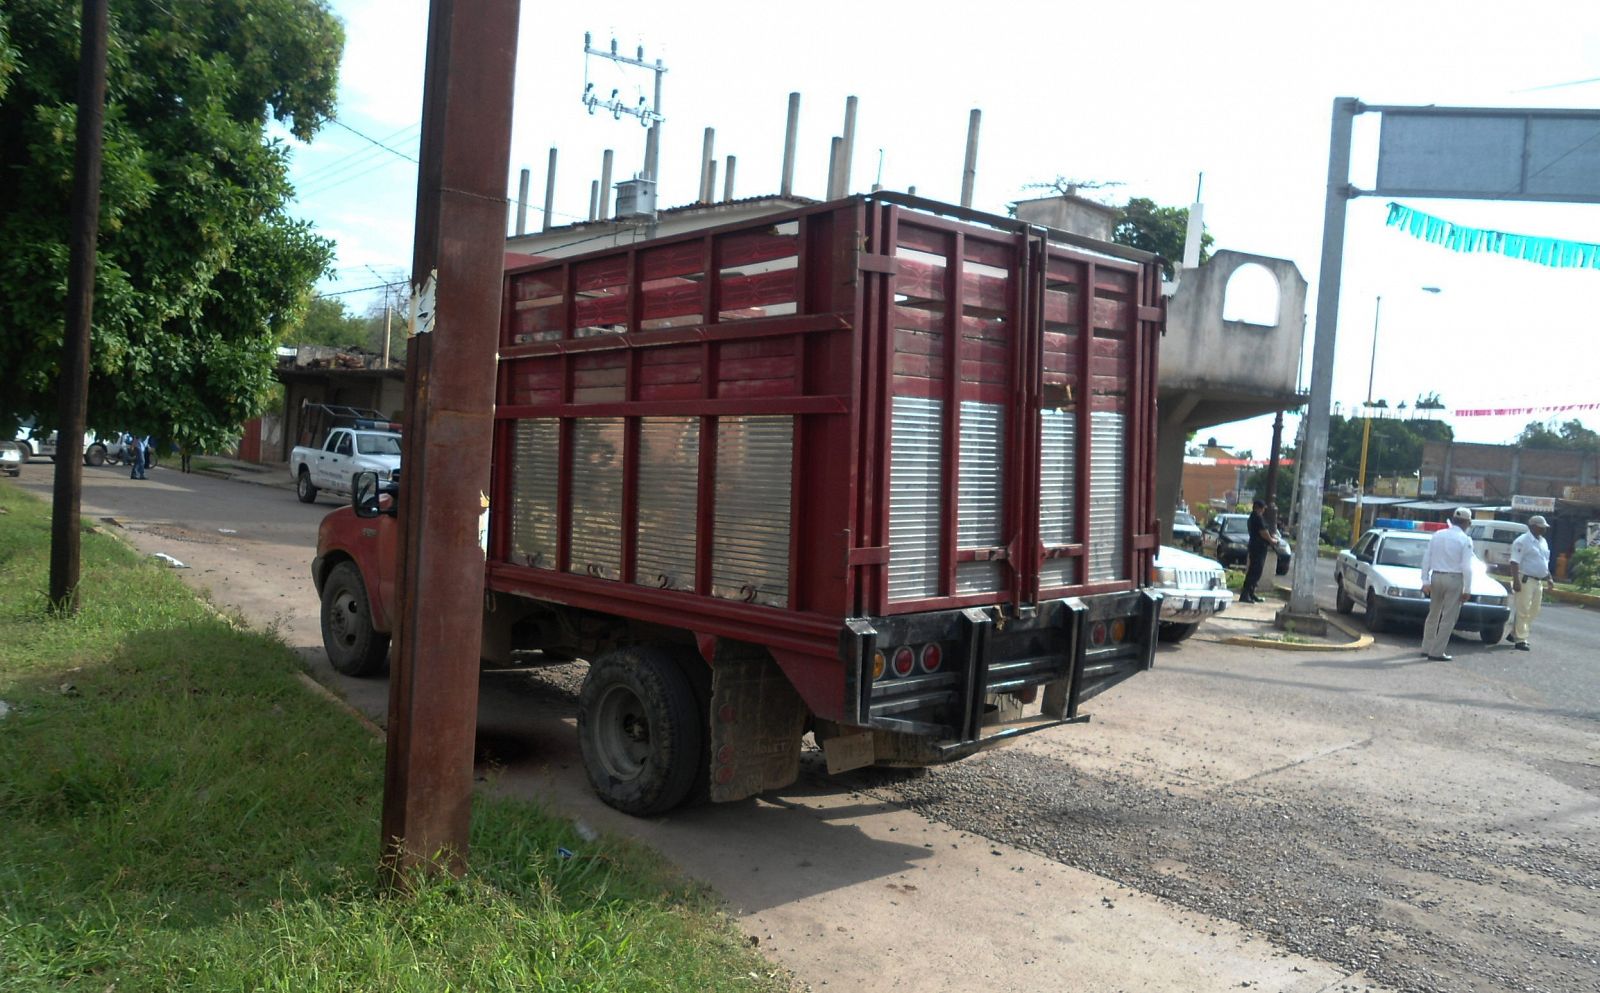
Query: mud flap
[(757, 720)]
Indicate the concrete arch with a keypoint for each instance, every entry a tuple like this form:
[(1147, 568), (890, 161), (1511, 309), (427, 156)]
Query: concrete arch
[(1253, 295)]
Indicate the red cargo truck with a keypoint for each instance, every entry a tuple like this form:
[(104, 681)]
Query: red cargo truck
[(879, 468)]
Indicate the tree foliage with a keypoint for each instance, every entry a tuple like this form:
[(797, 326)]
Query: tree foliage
[(1142, 224), (1393, 449), (1571, 436), (199, 267), (326, 322)]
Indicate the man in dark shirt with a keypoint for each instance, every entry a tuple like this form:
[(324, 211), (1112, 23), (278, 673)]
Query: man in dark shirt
[(1260, 544)]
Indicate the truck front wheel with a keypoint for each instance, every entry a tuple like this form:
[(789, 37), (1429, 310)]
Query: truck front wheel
[(303, 488), (641, 730), (353, 647)]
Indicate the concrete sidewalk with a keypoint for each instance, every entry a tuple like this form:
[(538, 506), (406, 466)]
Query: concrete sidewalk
[(264, 474)]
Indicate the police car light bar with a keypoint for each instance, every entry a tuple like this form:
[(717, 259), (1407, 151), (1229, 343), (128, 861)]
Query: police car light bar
[(1395, 524)]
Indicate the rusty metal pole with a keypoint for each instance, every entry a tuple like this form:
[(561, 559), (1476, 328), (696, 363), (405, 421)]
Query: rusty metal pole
[(457, 264), (1271, 485), (73, 389)]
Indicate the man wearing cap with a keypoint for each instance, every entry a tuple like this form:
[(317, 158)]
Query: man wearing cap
[(1447, 581), (1530, 571)]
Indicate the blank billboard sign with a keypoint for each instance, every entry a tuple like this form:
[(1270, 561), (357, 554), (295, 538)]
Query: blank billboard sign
[(1482, 154)]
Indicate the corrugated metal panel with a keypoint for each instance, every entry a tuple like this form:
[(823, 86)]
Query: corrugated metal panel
[(534, 476), (915, 476), (669, 475), (981, 515), (1108, 459), (750, 543), (597, 497), (1058, 521)]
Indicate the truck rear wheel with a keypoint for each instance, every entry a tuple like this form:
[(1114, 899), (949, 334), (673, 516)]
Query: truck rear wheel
[(303, 488), (1173, 632), (95, 455), (641, 730), (353, 646)]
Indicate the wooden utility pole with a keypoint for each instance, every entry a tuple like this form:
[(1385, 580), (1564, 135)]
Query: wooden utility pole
[(73, 389), (457, 266)]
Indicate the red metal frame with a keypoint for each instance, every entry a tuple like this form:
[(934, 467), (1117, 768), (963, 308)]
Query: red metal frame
[(675, 328)]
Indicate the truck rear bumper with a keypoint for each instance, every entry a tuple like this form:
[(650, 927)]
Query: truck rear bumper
[(1060, 652)]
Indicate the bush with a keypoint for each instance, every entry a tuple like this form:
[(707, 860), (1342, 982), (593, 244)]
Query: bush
[(1584, 568), (1335, 529)]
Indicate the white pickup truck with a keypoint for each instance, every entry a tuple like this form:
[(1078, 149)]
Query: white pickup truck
[(345, 452)]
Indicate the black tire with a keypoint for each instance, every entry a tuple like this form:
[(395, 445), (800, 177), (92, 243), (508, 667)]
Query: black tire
[(641, 730), (1172, 632), (1377, 623), (27, 451), (353, 647), (1491, 635), (95, 455), (303, 488), (1341, 600)]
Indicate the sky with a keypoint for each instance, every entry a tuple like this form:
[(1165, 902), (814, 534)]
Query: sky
[(1151, 96)]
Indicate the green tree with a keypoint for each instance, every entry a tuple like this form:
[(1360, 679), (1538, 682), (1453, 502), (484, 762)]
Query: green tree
[(1571, 436), (200, 269), (1143, 224), (1140, 223), (326, 322)]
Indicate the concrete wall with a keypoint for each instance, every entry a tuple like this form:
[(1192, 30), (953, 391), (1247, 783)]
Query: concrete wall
[(1205, 352), (1069, 213), (1506, 470)]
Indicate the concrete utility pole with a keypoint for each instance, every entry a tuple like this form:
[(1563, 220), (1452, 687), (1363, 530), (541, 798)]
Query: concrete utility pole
[(790, 131), (1302, 608), (456, 285), (969, 169), (73, 389)]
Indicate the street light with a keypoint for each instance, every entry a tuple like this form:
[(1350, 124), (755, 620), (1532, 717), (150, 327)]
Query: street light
[(1366, 423)]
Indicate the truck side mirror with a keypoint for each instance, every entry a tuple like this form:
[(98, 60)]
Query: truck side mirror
[(364, 494)]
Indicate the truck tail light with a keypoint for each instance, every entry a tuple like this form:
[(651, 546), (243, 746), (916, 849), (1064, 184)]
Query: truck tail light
[(932, 657), (904, 661), (1119, 629), (879, 663), (1097, 634)]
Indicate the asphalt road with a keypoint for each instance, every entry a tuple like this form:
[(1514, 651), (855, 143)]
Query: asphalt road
[(1236, 818)]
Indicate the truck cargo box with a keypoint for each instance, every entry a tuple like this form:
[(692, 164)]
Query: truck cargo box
[(833, 432)]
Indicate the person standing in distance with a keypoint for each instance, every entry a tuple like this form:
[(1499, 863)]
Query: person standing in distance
[(1530, 572), (141, 456), (1261, 541), (1446, 580)]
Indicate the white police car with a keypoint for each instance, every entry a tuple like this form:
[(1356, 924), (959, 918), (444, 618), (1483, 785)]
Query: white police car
[(1383, 572), (1192, 588)]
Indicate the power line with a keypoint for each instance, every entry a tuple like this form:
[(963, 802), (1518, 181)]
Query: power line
[(374, 141)]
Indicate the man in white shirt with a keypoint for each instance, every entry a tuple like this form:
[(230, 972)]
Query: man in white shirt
[(1530, 572), (1447, 581)]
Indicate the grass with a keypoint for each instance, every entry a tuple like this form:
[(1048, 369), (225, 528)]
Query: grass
[(178, 813)]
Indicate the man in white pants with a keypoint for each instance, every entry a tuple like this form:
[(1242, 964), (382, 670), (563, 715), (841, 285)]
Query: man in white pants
[(1530, 572), (1447, 581)]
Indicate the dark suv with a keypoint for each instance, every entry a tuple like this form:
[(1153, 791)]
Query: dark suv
[(1227, 539)]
